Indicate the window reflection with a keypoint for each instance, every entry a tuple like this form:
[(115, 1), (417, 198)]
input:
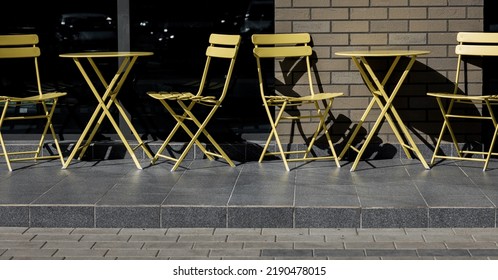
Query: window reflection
[(177, 33)]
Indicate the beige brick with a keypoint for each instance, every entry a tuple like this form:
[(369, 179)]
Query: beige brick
[(321, 52), (360, 90), (357, 114), (348, 48), (323, 75), (329, 65), (368, 13), (465, 25), (351, 102), (428, 25), (466, 2), (283, 3), (349, 3), (346, 78), (447, 12), (350, 26), (475, 12), (330, 13), (384, 3), (407, 13), (311, 26), (369, 39), (407, 39), (445, 38), (442, 63), (330, 39), (311, 3), (389, 26), (337, 88), (428, 2), (283, 26), (292, 14)]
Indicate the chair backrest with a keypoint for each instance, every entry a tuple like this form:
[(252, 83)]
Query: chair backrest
[(474, 44), (21, 46), (221, 46), (283, 46)]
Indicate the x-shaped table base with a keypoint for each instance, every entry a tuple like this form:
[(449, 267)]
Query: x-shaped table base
[(383, 100)]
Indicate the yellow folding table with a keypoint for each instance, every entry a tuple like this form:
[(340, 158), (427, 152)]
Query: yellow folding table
[(383, 99), (106, 98)]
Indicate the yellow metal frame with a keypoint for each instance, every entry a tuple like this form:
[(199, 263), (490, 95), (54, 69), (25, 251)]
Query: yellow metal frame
[(469, 44), (25, 47), (221, 46), (384, 100), (292, 45), (106, 100)]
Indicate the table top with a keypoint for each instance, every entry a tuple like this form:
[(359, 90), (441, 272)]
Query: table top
[(90, 54), (382, 53)]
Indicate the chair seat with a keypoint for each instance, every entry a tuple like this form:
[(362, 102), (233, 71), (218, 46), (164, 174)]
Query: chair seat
[(163, 95), (183, 96), (316, 97), (34, 98), (462, 96)]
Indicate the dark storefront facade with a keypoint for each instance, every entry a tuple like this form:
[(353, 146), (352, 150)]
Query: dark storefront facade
[(176, 32)]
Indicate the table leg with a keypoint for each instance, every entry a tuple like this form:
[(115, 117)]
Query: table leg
[(385, 103), (110, 93), (411, 144), (95, 113), (112, 89)]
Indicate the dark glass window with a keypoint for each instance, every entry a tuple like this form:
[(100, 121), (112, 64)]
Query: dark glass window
[(177, 33), (66, 26)]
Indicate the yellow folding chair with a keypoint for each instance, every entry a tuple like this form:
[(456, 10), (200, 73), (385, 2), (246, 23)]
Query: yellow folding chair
[(24, 47), (222, 47), (296, 47), (470, 44)]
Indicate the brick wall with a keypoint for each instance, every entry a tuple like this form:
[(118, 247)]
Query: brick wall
[(338, 25)]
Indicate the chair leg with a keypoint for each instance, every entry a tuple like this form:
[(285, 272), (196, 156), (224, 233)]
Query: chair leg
[(2, 143), (179, 123), (274, 133), (326, 131), (194, 137), (490, 152), (202, 129), (5, 154), (446, 125), (36, 154), (317, 130), (50, 126), (493, 139)]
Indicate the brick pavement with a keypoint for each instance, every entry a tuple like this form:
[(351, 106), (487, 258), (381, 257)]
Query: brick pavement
[(17, 243)]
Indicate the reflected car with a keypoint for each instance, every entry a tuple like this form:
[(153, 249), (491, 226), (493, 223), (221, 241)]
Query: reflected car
[(86, 32)]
